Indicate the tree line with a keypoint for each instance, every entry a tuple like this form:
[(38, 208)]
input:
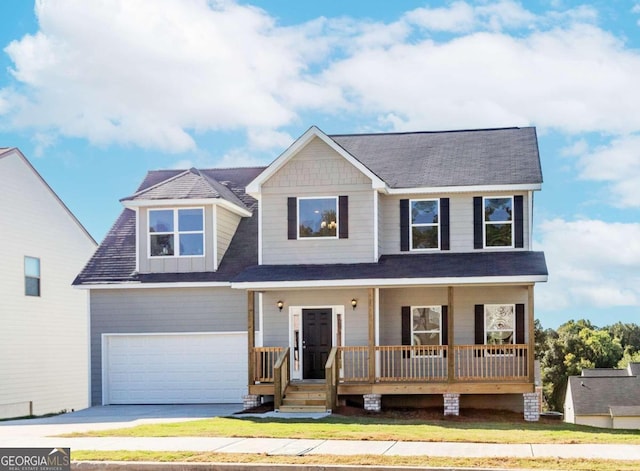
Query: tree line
[(576, 345)]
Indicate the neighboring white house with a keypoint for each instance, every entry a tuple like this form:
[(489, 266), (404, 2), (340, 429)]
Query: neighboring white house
[(44, 360)]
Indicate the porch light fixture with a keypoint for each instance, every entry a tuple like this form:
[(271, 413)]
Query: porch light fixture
[(354, 303), (280, 305)]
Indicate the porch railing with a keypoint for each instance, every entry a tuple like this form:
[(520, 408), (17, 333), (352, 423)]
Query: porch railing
[(332, 376), (264, 358), (396, 363), (484, 362), (280, 378)]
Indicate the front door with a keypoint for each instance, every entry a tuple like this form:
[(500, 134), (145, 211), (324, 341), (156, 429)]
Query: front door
[(316, 342)]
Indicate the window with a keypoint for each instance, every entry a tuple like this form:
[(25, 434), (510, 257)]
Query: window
[(426, 328), (31, 276), (499, 324), (318, 217), (425, 224), (176, 232), (498, 222)]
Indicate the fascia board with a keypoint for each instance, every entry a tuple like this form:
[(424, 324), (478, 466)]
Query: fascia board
[(464, 189), (187, 202), (395, 282)]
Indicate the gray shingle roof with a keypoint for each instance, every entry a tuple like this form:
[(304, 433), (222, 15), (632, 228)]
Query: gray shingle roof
[(115, 258), (595, 395), (189, 184), (504, 156), (625, 411), (436, 265)]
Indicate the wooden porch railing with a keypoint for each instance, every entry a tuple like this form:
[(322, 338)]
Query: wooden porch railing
[(491, 362), (280, 378), (332, 375), (396, 363), (264, 359)]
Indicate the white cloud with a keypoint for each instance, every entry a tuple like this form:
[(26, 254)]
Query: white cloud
[(591, 264), (618, 164), (269, 139), (148, 72)]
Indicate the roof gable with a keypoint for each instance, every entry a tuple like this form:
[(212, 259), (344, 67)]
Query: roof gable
[(254, 187)]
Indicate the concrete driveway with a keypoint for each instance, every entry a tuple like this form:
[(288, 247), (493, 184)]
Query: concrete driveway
[(109, 417)]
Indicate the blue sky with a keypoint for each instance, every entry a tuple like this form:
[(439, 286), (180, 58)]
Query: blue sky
[(97, 93)]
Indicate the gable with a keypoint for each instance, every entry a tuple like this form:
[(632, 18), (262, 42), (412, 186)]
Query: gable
[(316, 164)]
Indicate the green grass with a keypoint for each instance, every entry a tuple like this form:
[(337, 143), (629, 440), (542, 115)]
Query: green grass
[(367, 460), (372, 428)]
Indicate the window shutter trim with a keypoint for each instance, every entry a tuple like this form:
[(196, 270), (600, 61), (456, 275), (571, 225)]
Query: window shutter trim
[(445, 325), (406, 329), (292, 218), (518, 220), (444, 223), (343, 223), (479, 327), (478, 243), (520, 323), (404, 225)]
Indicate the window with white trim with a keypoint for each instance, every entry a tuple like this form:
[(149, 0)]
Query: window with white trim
[(499, 324), (318, 217), (426, 328), (176, 232), (425, 224), (498, 222), (31, 276)]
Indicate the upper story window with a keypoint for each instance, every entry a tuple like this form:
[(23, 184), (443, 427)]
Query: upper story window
[(176, 232), (425, 226), (31, 276), (318, 217), (498, 222), (499, 324)]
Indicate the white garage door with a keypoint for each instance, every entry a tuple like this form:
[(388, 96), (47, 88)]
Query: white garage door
[(174, 368)]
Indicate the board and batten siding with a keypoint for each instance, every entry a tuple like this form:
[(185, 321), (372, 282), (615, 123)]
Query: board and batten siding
[(175, 264), (44, 349), (162, 310), (464, 298), (460, 220), (226, 225), (317, 171)]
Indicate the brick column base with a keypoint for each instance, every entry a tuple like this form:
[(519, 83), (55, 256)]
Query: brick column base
[(372, 402), (531, 407), (451, 404), (250, 401)]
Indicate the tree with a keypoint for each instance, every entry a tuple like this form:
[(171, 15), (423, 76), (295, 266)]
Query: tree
[(629, 335)]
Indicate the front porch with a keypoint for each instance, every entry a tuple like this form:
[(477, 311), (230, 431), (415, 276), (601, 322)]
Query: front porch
[(375, 370)]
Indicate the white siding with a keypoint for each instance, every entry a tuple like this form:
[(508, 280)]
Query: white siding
[(43, 340), (226, 225), (317, 170), (460, 220)]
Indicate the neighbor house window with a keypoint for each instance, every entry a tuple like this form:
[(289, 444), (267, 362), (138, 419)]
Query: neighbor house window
[(425, 227), (426, 328), (176, 232), (31, 276), (498, 222), (318, 217), (499, 324)]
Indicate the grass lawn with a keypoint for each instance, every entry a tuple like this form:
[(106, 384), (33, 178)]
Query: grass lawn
[(382, 427), (368, 460)]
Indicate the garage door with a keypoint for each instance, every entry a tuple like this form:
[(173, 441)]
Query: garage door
[(174, 368)]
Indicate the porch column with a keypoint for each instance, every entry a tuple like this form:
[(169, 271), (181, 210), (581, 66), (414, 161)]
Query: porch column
[(251, 333), (450, 356), (372, 338), (532, 339)]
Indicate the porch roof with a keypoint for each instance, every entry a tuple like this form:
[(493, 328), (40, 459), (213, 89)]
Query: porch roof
[(436, 268)]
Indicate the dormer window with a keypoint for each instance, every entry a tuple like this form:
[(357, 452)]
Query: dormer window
[(176, 232)]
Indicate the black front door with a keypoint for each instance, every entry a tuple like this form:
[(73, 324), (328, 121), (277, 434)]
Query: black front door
[(316, 342)]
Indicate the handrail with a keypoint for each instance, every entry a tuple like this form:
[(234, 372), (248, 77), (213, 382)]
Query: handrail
[(280, 378), (332, 373), (264, 359)]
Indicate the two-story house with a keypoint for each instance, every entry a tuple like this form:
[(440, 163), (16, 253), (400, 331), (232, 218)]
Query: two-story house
[(43, 340), (382, 268)]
